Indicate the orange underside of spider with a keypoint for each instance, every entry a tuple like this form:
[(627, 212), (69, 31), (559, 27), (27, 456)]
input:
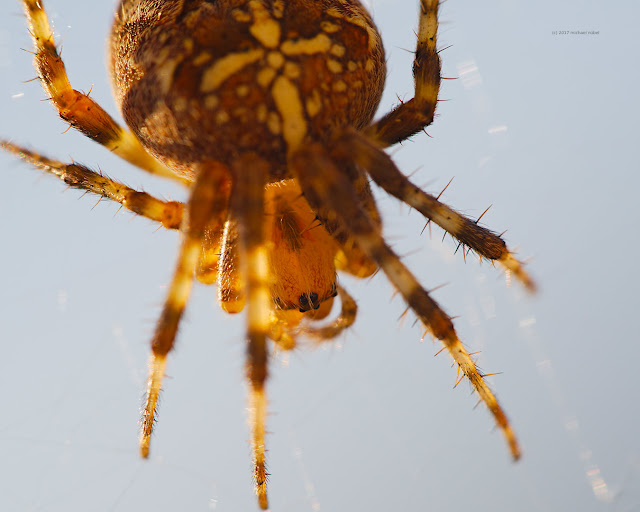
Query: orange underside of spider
[(264, 110)]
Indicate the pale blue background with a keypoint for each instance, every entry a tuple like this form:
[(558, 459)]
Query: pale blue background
[(543, 127)]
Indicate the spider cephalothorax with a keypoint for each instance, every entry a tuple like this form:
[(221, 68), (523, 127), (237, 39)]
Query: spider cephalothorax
[(263, 109)]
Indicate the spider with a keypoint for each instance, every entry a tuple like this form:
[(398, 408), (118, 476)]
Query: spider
[(264, 110)]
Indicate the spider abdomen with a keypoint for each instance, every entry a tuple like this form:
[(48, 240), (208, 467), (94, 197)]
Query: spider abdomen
[(202, 80)]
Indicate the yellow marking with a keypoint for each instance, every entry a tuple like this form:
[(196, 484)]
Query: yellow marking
[(266, 76), (287, 99), (260, 261), (273, 123), (242, 90), (190, 20), (292, 70), (352, 66), (334, 66), (260, 305), (444, 217), (188, 45), (369, 66), (202, 58), (338, 50), (164, 73), (275, 60), (211, 101), (265, 29), (428, 91), (241, 113), (241, 16), (222, 117), (226, 67), (261, 113), (278, 8), (428, 26), (314, 103), (39, 22), (318, 44), (329, 28), (339, 86)]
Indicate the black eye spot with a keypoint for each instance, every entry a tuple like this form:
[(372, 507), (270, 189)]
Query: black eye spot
[(308, 301)]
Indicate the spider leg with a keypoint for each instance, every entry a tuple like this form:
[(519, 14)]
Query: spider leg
[(167, 213), (350, 258), (77, 108), (414, 115), (207, 269), (207, 204), (247, 210), (231, 281), (347, 317), (331, 193), (384, 172)]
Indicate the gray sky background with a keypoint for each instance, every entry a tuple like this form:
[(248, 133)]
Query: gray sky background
[(542, 126)]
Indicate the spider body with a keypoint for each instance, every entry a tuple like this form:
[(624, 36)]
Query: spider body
[(202, 80), (263, 109)]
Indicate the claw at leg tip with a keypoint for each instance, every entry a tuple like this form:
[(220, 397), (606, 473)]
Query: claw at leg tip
[(516, 453), (516, 269), (262, 501), (144, 447)]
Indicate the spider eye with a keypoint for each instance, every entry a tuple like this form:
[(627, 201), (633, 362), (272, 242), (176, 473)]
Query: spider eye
[(308, 301)]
